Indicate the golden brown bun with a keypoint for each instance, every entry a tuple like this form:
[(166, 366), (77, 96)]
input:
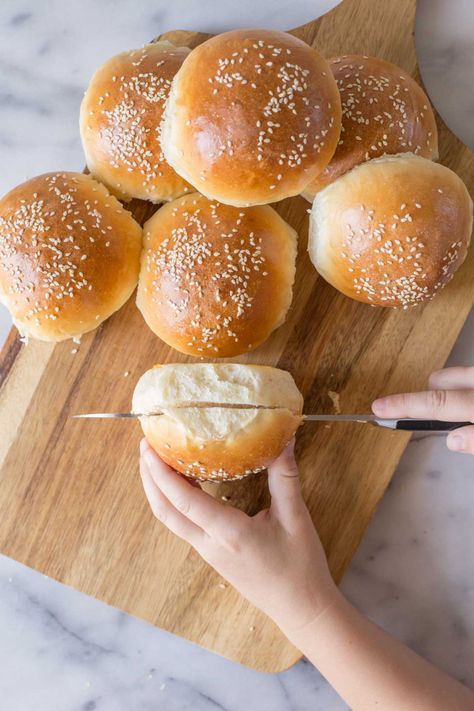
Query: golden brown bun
[(215, 279), (384, 111), (69, 255), (120, 119), (218, 443), (392, 231), (253, 116)]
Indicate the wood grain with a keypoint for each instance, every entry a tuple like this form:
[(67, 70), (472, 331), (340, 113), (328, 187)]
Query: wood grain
[(71, 503)]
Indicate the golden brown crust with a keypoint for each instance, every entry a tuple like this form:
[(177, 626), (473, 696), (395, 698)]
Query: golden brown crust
[(120, 122), (218, 443), (392, 231), (69, 255), (215, 280), (252, 117), (384, 111), (249, 451)]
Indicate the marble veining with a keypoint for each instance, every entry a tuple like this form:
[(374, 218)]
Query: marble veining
[(413, 573)]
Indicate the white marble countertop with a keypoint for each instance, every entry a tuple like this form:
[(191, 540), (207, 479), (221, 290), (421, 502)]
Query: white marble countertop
[(414, 571)]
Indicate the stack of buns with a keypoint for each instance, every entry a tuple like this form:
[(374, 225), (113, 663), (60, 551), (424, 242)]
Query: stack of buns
[(249, 117)]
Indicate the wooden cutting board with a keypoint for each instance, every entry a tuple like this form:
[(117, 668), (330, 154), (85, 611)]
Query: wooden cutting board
[(71, 503)]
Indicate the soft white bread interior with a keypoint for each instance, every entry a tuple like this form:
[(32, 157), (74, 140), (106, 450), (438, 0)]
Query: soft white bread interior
[(391, 231), (218, 443)]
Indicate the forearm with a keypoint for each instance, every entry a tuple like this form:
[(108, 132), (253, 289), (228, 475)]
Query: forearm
[(372, 670)]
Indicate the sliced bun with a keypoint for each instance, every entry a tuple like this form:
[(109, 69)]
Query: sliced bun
[(69, 255), (218, 443), (120, 123), (253, 116), (384, 111), (392, 231), (215, 280)]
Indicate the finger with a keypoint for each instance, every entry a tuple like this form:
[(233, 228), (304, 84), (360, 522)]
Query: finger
[(452, 379), (193, 503), (461, 440), (450, 405), (284, 484), (165, 512)]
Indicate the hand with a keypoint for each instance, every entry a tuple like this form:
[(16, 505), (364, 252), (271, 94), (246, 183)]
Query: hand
[(274, 559), (450, 397)]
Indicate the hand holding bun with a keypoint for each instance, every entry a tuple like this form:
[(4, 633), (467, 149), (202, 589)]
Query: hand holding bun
[(392, 231), (218, 443), (69, 255), (252, 117), (215, 279), (384, 111), (120, 123)]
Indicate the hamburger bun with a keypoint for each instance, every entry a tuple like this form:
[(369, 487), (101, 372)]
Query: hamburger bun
[(218, 443), (69, 255), (215, 280), (384, 111), (253, 116), (120, 123), (392, 231)]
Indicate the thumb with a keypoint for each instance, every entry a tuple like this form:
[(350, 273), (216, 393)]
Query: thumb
[(284, 484)]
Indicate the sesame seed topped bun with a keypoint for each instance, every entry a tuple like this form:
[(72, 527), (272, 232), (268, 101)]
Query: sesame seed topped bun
[(384, 111), (253, 116), (392, 231), (218, 443), (120, 123), (215, 279), (69, 255)]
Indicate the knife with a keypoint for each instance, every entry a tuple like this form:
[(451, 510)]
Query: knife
[(407, 424)]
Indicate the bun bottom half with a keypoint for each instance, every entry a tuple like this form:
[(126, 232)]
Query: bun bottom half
[(249, 451)]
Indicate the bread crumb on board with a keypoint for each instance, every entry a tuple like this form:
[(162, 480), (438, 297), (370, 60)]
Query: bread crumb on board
[(335, 399)]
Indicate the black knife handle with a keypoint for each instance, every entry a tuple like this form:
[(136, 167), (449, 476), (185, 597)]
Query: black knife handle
[(430, 425)]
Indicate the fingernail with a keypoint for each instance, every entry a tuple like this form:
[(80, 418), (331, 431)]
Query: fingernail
[(379, 406), (148, 457), (456, 442)]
